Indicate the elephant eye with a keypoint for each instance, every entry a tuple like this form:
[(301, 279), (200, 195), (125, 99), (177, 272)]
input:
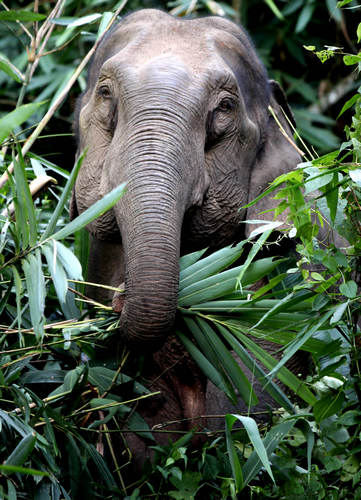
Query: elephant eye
[(104, 92), (227, 104)]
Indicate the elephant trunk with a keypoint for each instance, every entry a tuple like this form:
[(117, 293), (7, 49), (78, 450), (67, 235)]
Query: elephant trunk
[(150, 217)]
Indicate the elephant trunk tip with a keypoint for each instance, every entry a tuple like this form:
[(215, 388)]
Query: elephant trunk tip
[(145, 331)]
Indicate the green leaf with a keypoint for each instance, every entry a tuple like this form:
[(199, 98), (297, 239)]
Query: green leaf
[(338, 313), (16, 469), (190, 258), (96, 210), (283, 374), (229, 364), (69, 261), (328, 405), (305, 17), (210, 265), (224, 283), (208, 369), (270, 442), (106, 17), (350, 60), (63, 199), (349, 289), (348, 104), (213, 358), (342, 3), (359, 33), (22, 451), (232, 455), (56, 270), (255, 438), (307, 332), (80, 21), (273, 389), (36, 290), (275, 9), (15, 118), (137, 424), (10, 69), (20, 15)]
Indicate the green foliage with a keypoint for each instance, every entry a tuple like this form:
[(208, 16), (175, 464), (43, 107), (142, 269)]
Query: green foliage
[(65, 411)]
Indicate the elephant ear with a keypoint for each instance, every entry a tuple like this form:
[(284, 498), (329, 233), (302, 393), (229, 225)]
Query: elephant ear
[(277, 156)]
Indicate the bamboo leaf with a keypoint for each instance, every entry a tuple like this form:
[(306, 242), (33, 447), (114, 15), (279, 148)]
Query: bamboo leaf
[(189, 259), (301, 338), (273, 390), (255, 438), (20, 15), (22, 450), (270, 442), (63, 199), (208, 369), (230, 365), (212, 357), (10, 69), (35, 284), (56, 270), (210, 265), (15, 118), (283, 374), (96, 210), (24, 201), (232, 454), (69, 261)]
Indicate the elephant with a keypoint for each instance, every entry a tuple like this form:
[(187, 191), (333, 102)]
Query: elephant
[(178, 109)]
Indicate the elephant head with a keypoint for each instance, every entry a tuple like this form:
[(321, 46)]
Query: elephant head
[(179, 110)]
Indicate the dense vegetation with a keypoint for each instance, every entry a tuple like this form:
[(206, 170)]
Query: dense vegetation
[(64, 405)]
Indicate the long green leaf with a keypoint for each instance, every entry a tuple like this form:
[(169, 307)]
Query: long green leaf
[(302, 337), (63, 199), (253, 252), (210, 265), (273, 390), (20, 15), (284, 375), (232, 454), (212, 357), (15, 118), (69, 261), (57, 271), (24, 198), (224, 283), (36, 290), (96, 210), (22, 451), (203, 363), (255, 438), (229, 364), (270, 442), (189, 259), (10, 69)]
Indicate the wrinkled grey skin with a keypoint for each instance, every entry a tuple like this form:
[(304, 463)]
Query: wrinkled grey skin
[(179, 110)]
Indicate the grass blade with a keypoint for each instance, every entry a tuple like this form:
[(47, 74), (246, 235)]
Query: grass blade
[(232, 454)]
